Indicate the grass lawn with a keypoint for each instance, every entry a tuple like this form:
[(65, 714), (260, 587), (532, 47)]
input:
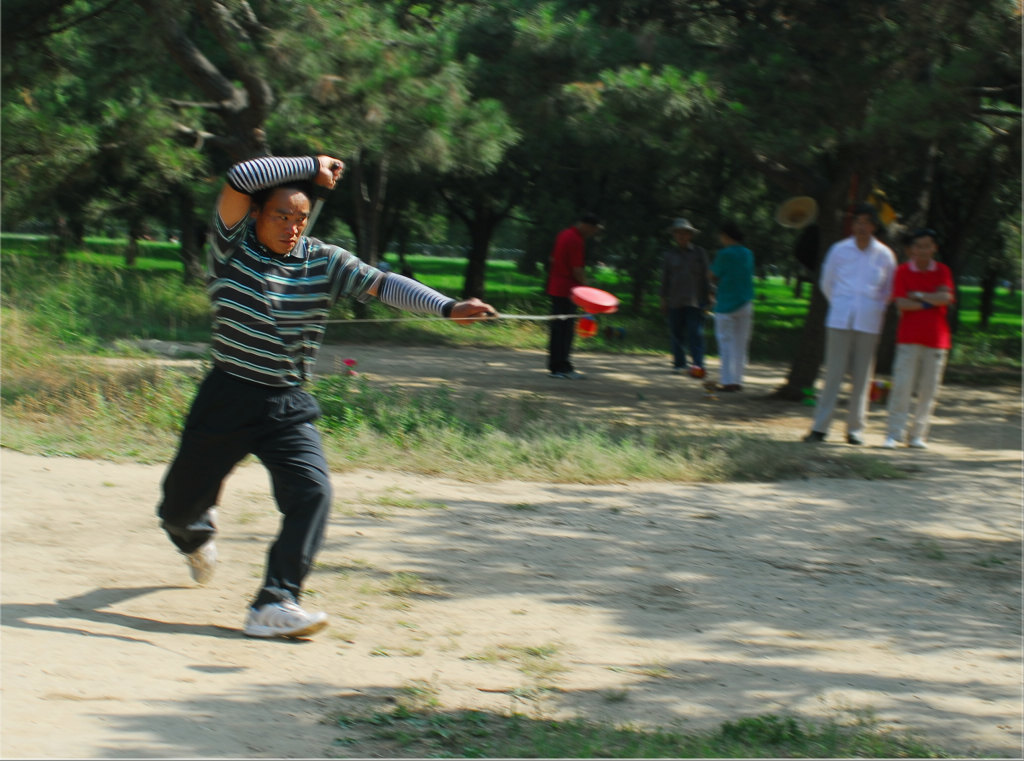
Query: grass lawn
[(149, 301)]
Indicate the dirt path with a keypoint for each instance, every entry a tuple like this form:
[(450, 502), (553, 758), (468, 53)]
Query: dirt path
[(656, 602)]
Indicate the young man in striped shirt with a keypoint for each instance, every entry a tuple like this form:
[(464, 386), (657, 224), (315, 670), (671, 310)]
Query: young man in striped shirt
[(271, 289)]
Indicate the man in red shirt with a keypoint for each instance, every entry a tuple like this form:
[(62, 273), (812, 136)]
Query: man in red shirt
[(922, 291), (568, 259)]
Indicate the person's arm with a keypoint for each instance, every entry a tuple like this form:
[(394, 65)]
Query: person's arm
[(943, 294), (576, 258), (884, 293), (234, 204), (826, 281), (912, 301), (915, 300), (408, 294), (247, 177)]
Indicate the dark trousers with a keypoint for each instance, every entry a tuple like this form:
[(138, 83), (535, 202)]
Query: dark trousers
[(562, 332), (229, 419), (686, 330)]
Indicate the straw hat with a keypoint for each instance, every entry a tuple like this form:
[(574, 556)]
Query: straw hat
[(797, 212)]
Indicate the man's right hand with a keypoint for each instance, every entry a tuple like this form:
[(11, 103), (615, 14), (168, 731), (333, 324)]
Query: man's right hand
[(330, 171)]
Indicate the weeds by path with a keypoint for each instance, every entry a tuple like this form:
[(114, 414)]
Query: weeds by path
[(411, 730), (58, 404)]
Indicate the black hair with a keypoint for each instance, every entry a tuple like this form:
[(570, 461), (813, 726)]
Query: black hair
[(921, 232), (589, 218), (868, 210), (260, 197), (730, 228)]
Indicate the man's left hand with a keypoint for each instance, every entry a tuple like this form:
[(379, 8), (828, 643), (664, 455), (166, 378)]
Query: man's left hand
[(472, 310)]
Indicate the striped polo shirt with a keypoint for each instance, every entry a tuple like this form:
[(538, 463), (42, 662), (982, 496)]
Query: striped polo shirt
[(269, 311)]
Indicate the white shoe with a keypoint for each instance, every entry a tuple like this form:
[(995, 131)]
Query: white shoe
[(283, 619), (202, 563), (918, 443), (891, 442)]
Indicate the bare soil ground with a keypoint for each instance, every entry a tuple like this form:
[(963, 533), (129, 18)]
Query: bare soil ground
[(653, 603)]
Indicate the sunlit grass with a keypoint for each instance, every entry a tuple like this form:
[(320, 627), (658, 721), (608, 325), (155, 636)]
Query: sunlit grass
[(94, 298)]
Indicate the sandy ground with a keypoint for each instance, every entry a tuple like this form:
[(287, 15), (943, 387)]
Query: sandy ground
[(663, 603)]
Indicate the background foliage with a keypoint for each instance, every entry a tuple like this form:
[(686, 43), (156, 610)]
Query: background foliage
[(492, 125)]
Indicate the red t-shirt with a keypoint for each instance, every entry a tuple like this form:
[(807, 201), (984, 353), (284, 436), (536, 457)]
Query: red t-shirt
[(567, 253), (928, 327)]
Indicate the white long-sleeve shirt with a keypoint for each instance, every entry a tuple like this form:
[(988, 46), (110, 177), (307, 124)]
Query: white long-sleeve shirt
[(857, 283)]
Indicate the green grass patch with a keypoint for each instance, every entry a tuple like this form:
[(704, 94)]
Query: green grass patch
[(60, 403), (88, 307), (410, 731), (93, 297), (56, 402)]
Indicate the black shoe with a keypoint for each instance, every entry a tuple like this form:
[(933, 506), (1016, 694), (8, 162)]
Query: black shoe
[(854, 438), (814, 437)]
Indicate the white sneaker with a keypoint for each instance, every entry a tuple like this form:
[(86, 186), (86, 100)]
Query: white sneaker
[(283, 619), (202, 563), (891, 442), (918, 443)]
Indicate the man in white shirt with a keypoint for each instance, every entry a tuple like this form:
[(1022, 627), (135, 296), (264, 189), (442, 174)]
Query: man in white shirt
[(856, 278)]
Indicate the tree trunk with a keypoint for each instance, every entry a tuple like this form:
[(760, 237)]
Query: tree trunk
[(193, 232), (481, 229), (242, 110), (481, 216), (643, 278), (61, 238), (131, 252), (369, 198), (809, 352), (402, 247), (886, 352), (986, 307)]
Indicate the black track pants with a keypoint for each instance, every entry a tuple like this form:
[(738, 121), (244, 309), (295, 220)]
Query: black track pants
[(229, 419)]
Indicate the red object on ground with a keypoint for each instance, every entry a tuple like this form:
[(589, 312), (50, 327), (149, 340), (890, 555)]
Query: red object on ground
[(879, 391), (593, 300), (586, 327)]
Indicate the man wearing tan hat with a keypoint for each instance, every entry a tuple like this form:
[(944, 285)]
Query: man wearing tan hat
[(685, 294)]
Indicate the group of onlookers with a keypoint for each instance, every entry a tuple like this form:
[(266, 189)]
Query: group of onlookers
[(859, 277)]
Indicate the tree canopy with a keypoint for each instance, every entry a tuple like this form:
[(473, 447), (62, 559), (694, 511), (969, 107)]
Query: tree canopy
[(528, 113)]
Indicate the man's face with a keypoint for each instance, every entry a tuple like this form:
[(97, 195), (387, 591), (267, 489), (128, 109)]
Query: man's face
[(588, 230), (922, 251), (280, 222), (683, 237), (862, 226)]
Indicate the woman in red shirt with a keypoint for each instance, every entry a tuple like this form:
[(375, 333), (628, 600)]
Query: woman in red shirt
[(922, 291)]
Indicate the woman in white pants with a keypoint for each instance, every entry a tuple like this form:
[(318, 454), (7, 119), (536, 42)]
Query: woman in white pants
[(733, 273)]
